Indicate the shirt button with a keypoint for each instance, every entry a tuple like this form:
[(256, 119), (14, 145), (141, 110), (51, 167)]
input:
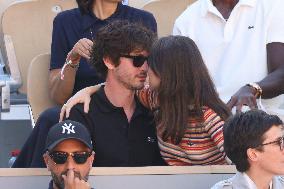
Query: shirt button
[(151, 139)]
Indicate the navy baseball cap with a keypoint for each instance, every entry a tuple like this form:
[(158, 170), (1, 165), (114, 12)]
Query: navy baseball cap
[(67, 130)]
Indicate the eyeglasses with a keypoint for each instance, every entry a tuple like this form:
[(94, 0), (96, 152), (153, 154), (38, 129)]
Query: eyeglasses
[(137, 61), (61, 157), (279, 141)]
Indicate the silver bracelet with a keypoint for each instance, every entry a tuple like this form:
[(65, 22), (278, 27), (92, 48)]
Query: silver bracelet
[(70, 63)]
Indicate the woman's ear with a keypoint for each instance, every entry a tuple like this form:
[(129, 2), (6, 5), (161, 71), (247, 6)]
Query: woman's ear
[(109, 63)]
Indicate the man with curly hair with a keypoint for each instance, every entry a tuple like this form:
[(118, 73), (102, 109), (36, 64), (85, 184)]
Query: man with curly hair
[(123, 131), (254, 141), (73, 34)]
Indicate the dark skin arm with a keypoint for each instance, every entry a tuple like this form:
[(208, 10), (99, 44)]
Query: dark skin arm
[(272, 85)]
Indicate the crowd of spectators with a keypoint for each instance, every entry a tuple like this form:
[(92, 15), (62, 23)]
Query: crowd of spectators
[(141, 100)]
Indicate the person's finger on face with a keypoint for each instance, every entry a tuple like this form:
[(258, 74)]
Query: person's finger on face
[(70, 174)]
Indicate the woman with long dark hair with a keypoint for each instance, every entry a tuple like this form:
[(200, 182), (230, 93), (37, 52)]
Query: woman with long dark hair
[(188, 112)]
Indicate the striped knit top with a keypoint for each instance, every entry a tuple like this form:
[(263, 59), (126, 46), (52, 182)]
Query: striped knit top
[(199, 146)]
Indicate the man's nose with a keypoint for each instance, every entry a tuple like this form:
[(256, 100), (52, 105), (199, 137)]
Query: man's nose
[(145, 66), (70, 163)]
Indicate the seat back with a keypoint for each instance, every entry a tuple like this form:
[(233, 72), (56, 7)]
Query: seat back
[(166, 12), (137, 3), (4, 4), (37, 85), (27, 28)]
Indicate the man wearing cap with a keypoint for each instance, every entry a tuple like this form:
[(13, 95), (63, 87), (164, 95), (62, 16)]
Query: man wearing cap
[(69, 155), (122, 129)]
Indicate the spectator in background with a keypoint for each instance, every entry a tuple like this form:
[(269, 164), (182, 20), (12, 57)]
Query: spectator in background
[(188, 112), (254, 141), (242, 43), (69, 155), (73, 34)]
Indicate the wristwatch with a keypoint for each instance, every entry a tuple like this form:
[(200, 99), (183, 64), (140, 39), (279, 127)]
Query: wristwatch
[(257, 89)]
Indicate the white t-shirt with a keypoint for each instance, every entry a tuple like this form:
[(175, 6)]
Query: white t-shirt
[(235, 50)]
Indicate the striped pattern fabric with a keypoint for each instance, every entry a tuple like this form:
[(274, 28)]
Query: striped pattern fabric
[(199, 146)]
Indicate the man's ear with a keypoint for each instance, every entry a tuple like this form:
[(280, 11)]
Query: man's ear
[(91, 159), (108, 62), (46, 159), (252, 154)]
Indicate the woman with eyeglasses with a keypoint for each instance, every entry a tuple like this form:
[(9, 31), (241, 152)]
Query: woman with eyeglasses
[(188, 112)]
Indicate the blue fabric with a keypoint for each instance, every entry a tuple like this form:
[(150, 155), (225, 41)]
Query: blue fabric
[(34, 147), (70, 26)]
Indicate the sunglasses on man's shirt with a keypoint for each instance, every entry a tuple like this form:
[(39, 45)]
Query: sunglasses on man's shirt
[(137, 60), (61, 157)]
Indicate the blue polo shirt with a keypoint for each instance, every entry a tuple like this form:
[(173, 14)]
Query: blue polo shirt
[(70, 26)]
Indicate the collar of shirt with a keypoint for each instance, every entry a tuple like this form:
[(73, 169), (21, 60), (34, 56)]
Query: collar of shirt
[(90, 18), (106, 106), (251, 184), (208, 7)]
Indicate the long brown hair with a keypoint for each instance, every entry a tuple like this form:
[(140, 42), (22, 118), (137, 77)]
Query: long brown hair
[(185, 86)]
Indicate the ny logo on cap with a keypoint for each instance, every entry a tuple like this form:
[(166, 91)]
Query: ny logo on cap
[(69, 128)]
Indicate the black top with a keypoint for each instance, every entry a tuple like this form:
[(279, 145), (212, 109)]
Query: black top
[(118, 143), (70, 26)]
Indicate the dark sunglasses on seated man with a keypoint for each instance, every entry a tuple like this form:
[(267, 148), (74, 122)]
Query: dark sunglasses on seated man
[(61, 157), (137, 60)]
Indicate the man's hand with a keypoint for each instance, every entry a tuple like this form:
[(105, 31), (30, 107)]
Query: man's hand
[(72, 182), (244, 96), (82, 48)]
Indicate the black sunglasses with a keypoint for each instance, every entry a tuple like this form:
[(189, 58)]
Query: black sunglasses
[(279, 141), (137, 61), (61, 157)]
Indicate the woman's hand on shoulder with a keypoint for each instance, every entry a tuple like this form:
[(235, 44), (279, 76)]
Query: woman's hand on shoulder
[(82, 96)]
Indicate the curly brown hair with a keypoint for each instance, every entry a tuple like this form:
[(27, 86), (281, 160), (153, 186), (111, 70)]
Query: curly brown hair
[(117, 38)]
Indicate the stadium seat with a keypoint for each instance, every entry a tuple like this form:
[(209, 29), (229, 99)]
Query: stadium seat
[(137, 3), (166, 12), (27, 27), (3, 5), (37, 85)]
